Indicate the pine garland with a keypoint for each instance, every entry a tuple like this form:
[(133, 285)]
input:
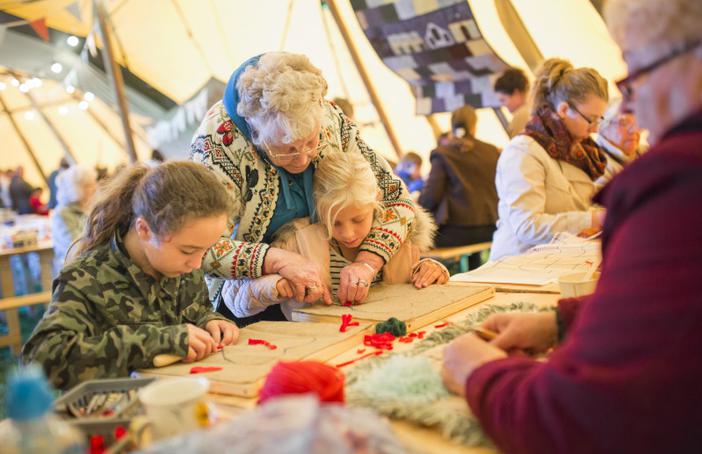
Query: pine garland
[(408, 385)]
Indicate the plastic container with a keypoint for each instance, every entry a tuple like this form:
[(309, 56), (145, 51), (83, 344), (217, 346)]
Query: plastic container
[(573, 285), (32, 428)]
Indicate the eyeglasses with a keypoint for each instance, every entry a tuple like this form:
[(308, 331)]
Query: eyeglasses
[(590, 121), (625, 85), (289, 156)]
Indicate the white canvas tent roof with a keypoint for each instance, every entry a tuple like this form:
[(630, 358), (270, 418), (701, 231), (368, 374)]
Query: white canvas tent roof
[(177, 46), (43, 119)]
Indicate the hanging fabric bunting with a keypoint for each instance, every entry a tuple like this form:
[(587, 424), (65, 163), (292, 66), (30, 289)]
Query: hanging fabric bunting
[(39, 27), (437, 47), (74, 10)]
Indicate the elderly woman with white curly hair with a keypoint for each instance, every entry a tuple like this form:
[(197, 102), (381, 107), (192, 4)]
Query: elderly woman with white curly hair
[(264, 141), (75, 189)]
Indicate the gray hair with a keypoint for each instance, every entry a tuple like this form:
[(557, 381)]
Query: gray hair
[(281, 98), (70, 183), (612, 112), (657, 26)]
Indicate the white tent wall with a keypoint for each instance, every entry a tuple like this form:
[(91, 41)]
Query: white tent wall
[(92, 141), (178, 45)]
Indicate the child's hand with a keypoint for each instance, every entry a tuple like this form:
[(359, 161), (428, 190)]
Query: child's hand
[(200, 344), (284, 288), (430, 272), (223, 332)]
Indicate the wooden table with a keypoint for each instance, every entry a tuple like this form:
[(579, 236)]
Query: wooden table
[(458, 253), (9, 303), (420, 439)]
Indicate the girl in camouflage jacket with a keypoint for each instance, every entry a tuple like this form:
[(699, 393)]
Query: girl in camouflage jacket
[(135, 290)]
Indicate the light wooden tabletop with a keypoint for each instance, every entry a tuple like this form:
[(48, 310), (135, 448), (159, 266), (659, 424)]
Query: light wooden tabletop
[(419, 439)]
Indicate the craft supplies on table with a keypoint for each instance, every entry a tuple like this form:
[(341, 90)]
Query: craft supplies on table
[(102, 409)]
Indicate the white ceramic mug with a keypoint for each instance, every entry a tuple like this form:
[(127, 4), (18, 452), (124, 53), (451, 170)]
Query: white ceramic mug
[(175, 405), (573, 285)]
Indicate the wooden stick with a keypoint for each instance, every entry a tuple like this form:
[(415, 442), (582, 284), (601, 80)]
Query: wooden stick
[(485, 334), (165, 359)]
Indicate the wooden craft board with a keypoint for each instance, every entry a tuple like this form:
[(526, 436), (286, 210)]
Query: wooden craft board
[(417, 308), (245, 366)]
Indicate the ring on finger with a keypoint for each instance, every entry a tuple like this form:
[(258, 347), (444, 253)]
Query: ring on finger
[(362, 283)]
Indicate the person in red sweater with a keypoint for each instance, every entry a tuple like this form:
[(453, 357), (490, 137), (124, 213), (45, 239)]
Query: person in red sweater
[(626, 372), (38, 207)]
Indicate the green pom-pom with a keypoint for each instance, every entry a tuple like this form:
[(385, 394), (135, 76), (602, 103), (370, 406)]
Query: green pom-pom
[(392, 325)]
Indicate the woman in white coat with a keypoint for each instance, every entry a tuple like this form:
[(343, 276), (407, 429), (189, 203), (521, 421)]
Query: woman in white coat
[(545, 176)]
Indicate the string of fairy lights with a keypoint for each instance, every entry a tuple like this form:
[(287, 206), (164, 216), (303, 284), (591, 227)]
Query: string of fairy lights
[(25, 83)]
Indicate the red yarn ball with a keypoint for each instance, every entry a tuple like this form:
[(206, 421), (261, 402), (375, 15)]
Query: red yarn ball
[(301, 377)]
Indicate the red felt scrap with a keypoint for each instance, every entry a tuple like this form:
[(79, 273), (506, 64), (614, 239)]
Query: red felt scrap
[(441, 325), (375, 353), (346, 322), (420, 334), (360, 350), (204, 369), (120, 432), (270, 346), (382, 341)]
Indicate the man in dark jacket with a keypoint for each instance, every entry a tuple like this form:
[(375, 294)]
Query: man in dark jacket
[(626, 375), (460, 191), (20, 191)]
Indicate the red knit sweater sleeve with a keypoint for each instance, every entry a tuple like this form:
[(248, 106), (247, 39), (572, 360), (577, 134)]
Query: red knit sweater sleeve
[(627, 377)]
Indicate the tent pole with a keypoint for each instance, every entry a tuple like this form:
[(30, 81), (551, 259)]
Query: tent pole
[(24, 141), (518, 33), (436, 129), (115, 74), (375, 99)]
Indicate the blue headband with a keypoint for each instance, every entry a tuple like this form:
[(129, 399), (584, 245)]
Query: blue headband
[(231, 96)]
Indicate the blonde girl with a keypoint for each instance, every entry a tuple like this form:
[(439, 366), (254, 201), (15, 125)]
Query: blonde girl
[(347, 202)]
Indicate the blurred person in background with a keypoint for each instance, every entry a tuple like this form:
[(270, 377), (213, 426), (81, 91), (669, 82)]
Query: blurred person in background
[(620, 138), (75, 189), (460, 190), (512, 89), (410, 170), (51, 179)]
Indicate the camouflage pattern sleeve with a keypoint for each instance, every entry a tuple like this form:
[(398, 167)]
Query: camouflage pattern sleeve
[(198, 310), (74, 343), (390, 229)]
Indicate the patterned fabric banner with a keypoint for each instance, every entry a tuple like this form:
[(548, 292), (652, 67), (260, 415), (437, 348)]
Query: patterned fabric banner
[(436, 46)]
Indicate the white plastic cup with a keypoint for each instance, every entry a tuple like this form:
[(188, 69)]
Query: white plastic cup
[(573, 285), (175, 405)]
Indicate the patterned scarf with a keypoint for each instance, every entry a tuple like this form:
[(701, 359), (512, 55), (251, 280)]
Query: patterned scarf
[(550, 132)]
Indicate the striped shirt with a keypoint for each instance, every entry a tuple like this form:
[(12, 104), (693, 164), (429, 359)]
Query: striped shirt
[(336, 263)]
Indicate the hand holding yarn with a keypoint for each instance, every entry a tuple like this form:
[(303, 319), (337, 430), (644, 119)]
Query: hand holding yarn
[(521, 332), (462, 356)]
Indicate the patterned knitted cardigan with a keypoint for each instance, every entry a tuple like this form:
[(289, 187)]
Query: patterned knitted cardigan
[(253, 183)]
